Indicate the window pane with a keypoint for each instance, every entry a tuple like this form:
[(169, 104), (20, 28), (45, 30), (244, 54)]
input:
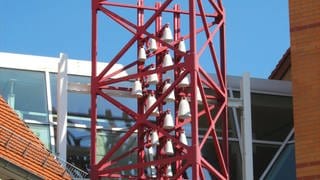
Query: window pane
[(272, 117), (79, 146), (284, 167), (25, 92), (42, 132), (262, 155)]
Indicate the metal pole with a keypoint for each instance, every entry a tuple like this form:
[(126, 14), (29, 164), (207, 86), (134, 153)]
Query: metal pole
[(246, 129), (50, 117), (94, 87), (62, 106)]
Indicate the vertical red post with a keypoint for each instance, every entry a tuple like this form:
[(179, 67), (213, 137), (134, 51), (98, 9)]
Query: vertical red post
[(93, 111)]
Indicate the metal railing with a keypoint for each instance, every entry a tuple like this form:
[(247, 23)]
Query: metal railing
[(75, 172)]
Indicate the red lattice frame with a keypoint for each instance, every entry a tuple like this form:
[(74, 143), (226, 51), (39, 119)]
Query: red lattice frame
[(214, 106)]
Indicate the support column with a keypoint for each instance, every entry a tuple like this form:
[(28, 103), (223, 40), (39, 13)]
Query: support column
[(49, 104), (246, 129), (62, 106)]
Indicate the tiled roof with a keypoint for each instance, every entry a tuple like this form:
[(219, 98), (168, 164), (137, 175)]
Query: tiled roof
[(282, 66), (19, 146)]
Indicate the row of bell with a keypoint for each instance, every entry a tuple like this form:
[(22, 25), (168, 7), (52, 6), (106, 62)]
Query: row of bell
[(166, 37), (152, 171), (137, 89), (183, 110), (142, 55), (168, 148), (153, 78)]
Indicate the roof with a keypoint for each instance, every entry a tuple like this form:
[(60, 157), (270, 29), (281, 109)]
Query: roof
[(262, 86), (23, 149), (50, 64), (282, 67)]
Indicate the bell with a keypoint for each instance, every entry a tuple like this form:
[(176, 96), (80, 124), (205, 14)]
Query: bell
[(142, 56), (167, 60), (167, 35), (149, 153), (199, 98), (168, 148), (152, 45), (183, 138), (150, 101), (137, 89), (169, 172), (153, 171), (168, 121), (184, 82), (170, 97), (184, 109), (182, 46), (153, 78), (154, 138)]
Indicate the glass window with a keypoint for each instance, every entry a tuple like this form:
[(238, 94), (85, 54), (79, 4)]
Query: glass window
[(284, 167), (79, 106), (25, 92), (42, 131), (209, 153), (272, 117), (79, 147), (262, 155), (77, 103)]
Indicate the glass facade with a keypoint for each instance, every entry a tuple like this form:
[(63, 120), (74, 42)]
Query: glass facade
[(26, 92)]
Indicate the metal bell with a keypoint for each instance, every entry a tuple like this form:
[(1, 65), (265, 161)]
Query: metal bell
[(167, 60), (184, 82), (199, 98), (183, 138), (168, 148), (153, 172), (154, 138), (184, 109), (170, 97), (169, 172), (167, 34), (142, 56), (137, 89), (182, 46), (168, 122), (150, 101), (152, 45), (153, 78), (149, 153)]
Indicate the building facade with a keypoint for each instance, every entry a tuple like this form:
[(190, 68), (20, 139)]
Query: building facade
[(29, 85), (305, 53)]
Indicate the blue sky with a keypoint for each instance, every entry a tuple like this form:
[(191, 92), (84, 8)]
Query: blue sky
[(257, 31)]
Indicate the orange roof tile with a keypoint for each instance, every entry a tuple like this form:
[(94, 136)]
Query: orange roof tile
[(24, 149)]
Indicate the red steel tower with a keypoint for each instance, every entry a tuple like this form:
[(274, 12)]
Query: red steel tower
[(173, 55)]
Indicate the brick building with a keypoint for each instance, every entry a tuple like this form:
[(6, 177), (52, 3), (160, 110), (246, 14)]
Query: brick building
[(305, 62), (301, 65)]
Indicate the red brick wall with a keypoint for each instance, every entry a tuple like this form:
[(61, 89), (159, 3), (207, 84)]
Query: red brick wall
[(305, 64)]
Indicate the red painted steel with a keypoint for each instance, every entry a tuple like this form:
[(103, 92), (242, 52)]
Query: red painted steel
[(204, 32)]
